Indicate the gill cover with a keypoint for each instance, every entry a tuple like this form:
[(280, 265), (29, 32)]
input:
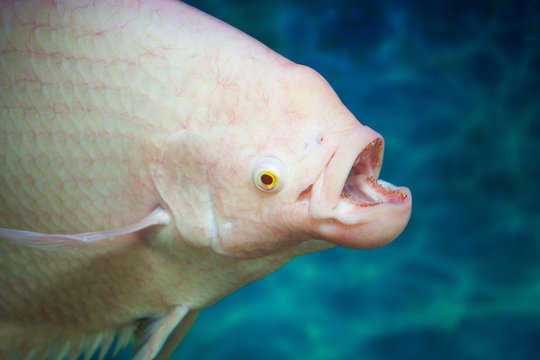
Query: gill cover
[(181, 177)]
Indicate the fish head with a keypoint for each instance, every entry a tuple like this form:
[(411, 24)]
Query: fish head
[(289, 165)]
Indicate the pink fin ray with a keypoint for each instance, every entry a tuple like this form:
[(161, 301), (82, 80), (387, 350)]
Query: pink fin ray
[(59, 241)]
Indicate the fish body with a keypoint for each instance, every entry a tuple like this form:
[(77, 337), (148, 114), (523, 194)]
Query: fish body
[(153, 160)]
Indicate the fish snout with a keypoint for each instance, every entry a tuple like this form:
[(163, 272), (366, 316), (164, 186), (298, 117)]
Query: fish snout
[(349, 205)]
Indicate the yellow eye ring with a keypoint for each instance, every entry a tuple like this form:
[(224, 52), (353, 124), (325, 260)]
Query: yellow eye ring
[(266, 180), (269, 174)]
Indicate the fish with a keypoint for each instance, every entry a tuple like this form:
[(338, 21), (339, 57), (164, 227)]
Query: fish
[(154, 159)]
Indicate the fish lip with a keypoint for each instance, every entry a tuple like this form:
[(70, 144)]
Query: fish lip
[(356, 164)]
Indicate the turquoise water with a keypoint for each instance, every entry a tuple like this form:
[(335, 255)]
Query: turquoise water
[(454, 89)]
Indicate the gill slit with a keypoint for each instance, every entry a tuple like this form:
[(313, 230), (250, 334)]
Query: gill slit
[(216, 240)]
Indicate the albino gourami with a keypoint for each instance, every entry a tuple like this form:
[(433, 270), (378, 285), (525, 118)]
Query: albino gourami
[(153, 160)]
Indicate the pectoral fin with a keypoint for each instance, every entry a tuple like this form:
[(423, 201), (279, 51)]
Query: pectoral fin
[(155, 332), (58, 241), (177, 335)]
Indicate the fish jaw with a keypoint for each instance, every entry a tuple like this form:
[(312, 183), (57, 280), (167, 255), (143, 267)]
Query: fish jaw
[(348, 205)]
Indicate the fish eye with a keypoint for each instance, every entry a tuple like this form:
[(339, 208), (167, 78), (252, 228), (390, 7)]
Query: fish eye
[(269, 174)]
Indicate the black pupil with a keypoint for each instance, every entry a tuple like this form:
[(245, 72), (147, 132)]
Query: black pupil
[(266, 179)]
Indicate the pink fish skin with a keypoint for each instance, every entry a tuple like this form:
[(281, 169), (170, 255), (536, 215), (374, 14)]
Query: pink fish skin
[(153, 160)]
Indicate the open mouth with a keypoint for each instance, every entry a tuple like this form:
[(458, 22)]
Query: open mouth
[(349, 185), (362, 186)]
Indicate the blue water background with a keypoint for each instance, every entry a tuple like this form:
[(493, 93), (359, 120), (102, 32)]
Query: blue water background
[(453, 86)]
